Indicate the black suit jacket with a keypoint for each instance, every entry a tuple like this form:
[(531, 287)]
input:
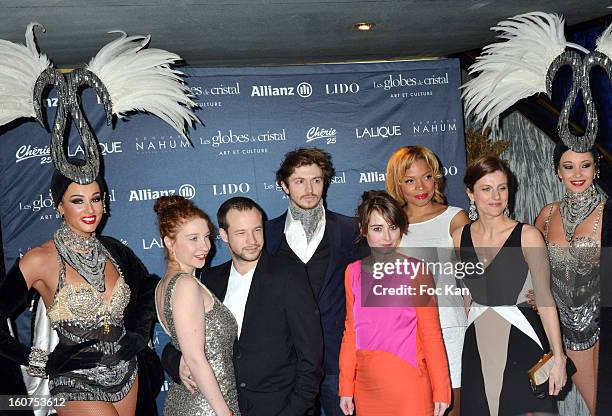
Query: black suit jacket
[(277, 358), (342, 232)]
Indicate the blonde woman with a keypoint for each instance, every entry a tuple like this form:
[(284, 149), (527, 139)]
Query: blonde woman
[(414, 180)]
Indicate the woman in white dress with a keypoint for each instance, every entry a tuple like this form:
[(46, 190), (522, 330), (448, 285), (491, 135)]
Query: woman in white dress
[(415, 180)]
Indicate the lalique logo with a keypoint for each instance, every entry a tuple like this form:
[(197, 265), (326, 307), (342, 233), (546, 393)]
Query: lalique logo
[(303, 89), (153, 243), (315, 133), (380, 132)]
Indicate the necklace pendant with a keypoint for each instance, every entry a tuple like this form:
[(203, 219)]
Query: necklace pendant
[(106, 327)]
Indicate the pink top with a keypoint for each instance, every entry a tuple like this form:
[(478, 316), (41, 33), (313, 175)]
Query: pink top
[(390, 329)]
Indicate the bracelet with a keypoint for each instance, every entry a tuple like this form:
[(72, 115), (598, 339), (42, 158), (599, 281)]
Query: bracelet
[(37, 363)]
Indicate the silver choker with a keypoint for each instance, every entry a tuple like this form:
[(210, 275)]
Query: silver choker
[(576, 206), (86, 255)]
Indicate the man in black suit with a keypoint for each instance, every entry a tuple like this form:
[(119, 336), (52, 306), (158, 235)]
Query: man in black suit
[(279, 349), (323, 243)]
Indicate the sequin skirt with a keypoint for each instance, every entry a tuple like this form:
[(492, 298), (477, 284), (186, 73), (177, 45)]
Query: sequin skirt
[(102, 383), (180, 402)]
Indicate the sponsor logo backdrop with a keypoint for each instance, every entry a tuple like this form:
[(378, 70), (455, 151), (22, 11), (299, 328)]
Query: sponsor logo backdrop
[(360, 113)]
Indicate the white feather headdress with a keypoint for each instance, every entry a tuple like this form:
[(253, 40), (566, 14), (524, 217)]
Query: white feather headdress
[(21, 66), (515, 69), (139, 79), (126, 76)]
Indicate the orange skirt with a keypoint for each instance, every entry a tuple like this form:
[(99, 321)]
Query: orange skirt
[(386, 385)]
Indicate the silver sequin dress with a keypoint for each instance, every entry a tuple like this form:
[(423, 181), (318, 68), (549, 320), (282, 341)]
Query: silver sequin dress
[(575, 287), (220, 331)]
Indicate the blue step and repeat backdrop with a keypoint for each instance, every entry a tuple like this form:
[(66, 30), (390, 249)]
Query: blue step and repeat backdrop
[(360, 113)]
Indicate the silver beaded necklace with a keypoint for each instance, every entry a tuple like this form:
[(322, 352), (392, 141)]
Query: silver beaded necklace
[(86, 255), (575, 207)]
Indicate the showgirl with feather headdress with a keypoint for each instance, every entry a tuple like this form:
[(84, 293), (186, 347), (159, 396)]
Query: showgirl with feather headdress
[(577, 229), (103, 340)]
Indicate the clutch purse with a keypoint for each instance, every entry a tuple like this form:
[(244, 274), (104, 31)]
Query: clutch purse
[(539, 373)]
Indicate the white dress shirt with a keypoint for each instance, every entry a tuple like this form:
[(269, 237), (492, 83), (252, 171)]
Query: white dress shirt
[(238, 287), (296, 237)]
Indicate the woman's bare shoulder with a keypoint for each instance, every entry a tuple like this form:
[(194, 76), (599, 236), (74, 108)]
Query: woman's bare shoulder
[(38, 262)]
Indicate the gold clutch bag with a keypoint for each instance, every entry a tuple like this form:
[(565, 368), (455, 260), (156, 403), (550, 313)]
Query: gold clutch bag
[(539, 373)]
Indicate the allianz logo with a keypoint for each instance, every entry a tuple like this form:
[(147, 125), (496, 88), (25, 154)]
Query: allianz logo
[(303, 89), (381, 132), (371, 176), (187, 191), (315, 133)]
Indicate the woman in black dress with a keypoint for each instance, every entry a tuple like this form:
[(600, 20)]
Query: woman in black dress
[(505, 336)]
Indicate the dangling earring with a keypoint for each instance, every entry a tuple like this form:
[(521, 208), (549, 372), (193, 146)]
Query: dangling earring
[(597, 173), (507, 212), (473, 214), (104, 203)]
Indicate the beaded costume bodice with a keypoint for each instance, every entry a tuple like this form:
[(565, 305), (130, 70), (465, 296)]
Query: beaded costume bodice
[(81, 302), (575, 281), (79, 311)]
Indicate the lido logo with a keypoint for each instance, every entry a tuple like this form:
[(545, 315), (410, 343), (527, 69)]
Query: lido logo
[(341, 88)]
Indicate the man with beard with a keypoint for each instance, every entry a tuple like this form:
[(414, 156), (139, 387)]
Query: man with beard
[(322, 242), (278, 352)]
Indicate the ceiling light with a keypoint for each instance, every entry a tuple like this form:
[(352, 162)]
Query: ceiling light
[(364, 26)]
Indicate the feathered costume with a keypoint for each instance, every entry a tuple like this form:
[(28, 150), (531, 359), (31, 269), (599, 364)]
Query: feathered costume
[(127, 78), (524, 65)]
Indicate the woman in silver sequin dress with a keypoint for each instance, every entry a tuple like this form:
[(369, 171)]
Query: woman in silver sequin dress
[(86, 283), (572, 229), (199, 325)]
